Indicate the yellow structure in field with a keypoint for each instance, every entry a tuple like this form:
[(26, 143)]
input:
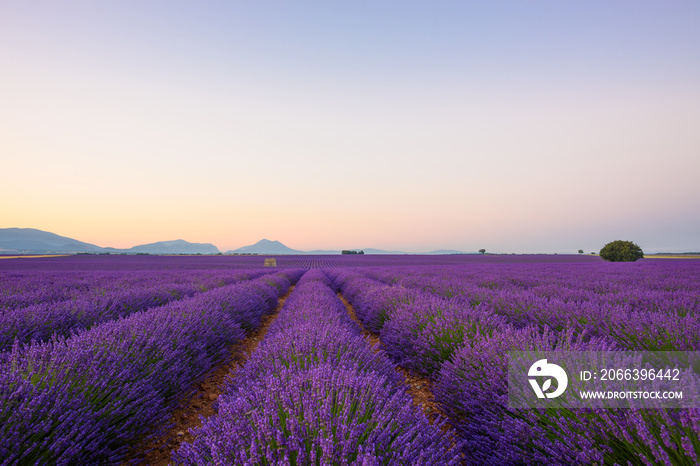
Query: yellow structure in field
[(270, 262)]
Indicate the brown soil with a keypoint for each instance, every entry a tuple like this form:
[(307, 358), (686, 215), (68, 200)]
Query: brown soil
[(420, 388), (201, 403)]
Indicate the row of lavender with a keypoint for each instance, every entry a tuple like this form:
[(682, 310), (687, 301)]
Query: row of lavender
[(316, 262), (652, 306), (19, 290), (25, 288), (316, 392), (456, 327), (71, 302), (90, 397)]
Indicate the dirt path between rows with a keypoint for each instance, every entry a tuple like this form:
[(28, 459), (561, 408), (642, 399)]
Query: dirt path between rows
[(420, 388), (186, 416)]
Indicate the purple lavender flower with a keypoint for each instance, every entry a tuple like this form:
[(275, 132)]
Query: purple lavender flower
[(85, 398)]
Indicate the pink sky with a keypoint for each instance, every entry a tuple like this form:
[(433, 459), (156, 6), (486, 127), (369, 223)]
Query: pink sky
[(543, 130)]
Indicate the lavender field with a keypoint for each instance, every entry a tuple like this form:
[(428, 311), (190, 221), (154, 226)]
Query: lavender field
[(97, 351)]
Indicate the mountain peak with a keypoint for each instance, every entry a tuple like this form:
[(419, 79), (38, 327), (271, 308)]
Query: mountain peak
[(265, 246), (269, 243), (33, 241)]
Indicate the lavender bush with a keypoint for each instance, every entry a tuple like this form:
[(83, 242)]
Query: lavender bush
[(322, 415), (473, 390), (424, 334)]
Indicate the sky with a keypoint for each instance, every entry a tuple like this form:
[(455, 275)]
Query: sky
[(514, 126)]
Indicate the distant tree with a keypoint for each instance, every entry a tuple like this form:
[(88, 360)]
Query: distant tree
[(621, 251), (482, 251), (580, 251)]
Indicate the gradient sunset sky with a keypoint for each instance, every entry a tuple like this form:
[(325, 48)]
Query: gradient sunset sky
[(519, 126)]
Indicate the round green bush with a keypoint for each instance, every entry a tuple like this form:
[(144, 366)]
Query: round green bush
[(621, 251)]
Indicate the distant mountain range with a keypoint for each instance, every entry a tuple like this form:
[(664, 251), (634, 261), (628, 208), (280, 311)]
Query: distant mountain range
[(265, 246), (33, 241), (29, 240), (178, 246)]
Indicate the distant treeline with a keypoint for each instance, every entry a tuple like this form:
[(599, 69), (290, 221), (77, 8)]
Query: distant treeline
[(347, 251)]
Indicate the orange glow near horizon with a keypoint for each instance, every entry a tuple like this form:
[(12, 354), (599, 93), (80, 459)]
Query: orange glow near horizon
[(205, 128)]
